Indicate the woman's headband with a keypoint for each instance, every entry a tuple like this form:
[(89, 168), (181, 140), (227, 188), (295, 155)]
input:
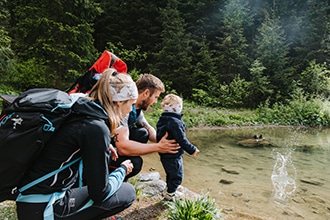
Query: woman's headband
[(124, 92)]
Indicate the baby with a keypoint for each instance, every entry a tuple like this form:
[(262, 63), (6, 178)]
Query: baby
[(171, 122)]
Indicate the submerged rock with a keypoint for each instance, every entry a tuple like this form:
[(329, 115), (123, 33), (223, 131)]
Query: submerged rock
[(307, 147), (312, 182), (230, 171), (223, 181), (237, 194)]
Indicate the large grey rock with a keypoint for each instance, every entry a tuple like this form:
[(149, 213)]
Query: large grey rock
[(144, 177), (152, 188), (150, 184)]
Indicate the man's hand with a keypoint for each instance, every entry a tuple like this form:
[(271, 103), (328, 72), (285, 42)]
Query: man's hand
[(129, 166), (168, 146), (128, 147)]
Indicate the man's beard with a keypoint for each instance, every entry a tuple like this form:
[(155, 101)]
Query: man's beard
[(145, 104)]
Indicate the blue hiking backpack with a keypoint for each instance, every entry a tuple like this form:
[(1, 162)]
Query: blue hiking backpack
[(25, 126)]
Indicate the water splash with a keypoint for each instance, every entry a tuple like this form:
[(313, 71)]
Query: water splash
[(283, 176)]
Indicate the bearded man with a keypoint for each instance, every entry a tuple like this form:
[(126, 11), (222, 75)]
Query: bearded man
[(135, 136)]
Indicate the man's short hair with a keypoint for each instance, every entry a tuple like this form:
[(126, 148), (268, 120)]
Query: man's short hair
[(151, 82)]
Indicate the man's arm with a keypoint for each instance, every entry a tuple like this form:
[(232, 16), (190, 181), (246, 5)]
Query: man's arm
[(152, 133), (128, 147), (144, 123)]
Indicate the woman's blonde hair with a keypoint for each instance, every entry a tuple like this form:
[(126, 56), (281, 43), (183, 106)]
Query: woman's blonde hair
[(101, 92)]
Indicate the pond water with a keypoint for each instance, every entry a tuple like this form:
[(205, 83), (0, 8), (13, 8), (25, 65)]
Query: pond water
[(285, 175)]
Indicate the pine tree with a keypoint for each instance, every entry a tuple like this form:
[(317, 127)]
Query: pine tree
[(312, 34), (204, 73), (6, 53), (173, 61), (272, 50), (260, 88), (232, 47), (57, 35), (132, 23)]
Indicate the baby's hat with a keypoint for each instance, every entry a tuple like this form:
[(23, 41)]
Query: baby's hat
[(172, 103)]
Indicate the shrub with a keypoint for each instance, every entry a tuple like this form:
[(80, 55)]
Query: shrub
[(299, 110)]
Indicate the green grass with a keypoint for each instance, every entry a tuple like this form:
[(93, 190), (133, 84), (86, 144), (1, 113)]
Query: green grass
[(8, 210), (296, 112), (135, 182), (197, 116), (203, 208)]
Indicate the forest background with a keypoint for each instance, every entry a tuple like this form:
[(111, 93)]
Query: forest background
[(270, 57)]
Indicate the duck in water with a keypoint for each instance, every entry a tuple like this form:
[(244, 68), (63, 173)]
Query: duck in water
[(257, 138)]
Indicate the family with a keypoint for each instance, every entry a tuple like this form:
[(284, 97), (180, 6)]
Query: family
[(110, 145)]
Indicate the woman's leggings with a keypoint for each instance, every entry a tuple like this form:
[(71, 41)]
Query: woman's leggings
[(69, 208)]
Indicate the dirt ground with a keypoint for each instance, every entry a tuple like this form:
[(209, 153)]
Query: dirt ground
[(151, 208)]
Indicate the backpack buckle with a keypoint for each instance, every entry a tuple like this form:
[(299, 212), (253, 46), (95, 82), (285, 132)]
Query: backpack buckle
[(14, 190)]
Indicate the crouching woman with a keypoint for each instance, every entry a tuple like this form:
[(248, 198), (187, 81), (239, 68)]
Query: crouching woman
[(85, 190)]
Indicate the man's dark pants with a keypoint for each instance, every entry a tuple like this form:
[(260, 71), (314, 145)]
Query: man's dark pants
[(136, 134)]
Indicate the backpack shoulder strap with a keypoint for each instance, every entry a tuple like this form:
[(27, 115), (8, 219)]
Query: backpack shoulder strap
[(39, 180)]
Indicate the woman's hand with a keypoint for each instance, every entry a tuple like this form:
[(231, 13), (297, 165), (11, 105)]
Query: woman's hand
[(129, 166), (114, 155)]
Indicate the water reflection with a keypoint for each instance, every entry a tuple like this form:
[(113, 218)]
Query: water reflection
[(293, 170)]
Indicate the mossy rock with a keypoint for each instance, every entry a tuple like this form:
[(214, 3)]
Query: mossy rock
[(254, 143)]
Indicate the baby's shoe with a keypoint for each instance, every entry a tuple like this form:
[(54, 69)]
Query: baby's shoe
[(172, 196), (169, 196)]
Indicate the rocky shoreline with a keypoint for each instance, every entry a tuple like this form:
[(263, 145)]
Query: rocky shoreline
[(150, 204)]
